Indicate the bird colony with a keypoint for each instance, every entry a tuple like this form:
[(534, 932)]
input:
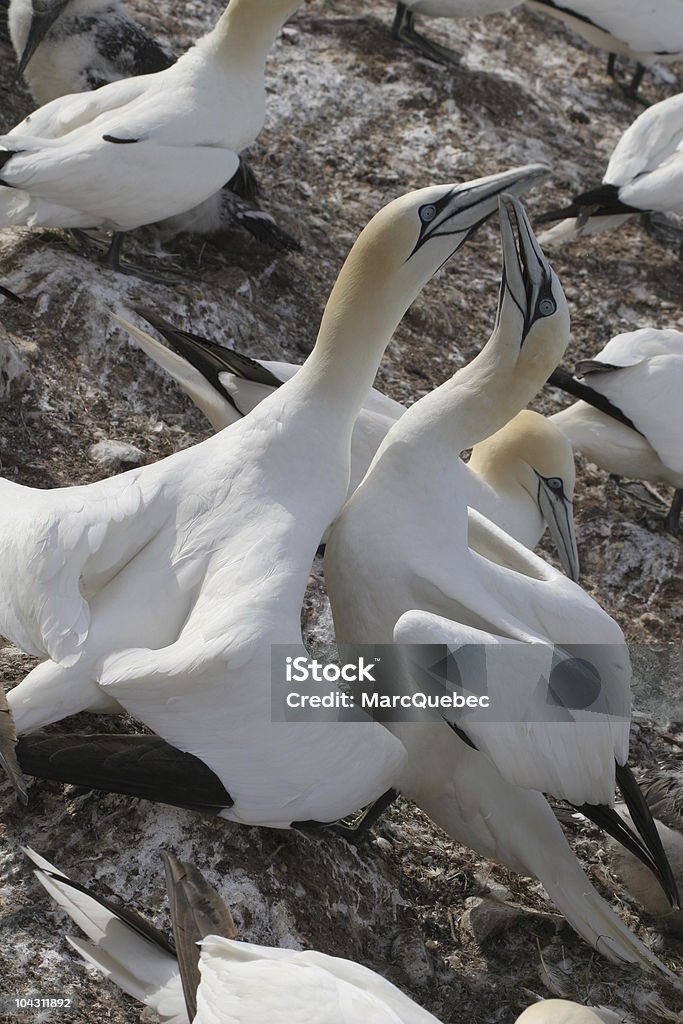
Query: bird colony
[(341, 331)]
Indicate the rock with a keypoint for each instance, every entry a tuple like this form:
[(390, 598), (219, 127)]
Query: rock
[(16, 356), (485, 918), (112, 455), (411, 956)]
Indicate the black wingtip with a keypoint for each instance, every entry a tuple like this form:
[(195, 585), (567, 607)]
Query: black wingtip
[(136, 765), (564, 380), (641, 816), (646, 846), (602, 201), (196, 911)]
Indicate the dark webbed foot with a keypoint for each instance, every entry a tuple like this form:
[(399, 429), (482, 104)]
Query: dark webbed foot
[(403, 29)]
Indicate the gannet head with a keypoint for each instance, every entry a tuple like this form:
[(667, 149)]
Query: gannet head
[(404, 244), (43, 15), (533, 316), (531, 452)]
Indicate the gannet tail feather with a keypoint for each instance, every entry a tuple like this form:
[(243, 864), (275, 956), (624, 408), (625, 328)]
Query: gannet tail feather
[(196, 911), (141, 766)]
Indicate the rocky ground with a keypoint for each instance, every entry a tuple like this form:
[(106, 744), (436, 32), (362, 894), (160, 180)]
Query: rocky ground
[(353, 120)]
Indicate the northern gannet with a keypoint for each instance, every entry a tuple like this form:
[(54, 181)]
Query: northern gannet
[(644, 175), (561, 1011), (398, 569), (69, 46), (522, 478), (162, 590), (207, 975), (144, 149), (646, 31), (404, 21), (73, 46), (628, 419)]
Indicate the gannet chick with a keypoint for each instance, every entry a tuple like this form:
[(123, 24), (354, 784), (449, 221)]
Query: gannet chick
[(206, 973), (644, 175), (148, 148), (561, 1011), (162, 590), (404, 22), (522, 479), (628, 419), (399, 569), (645, 33), (69, 46), (639, 881)]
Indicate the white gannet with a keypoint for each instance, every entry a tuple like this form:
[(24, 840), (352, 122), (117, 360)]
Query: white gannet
[(148, 148), (404, 21), (561, 1011), (628, 419), (163, 590), (73, 46), (522, 478), (644, 175), (68, 46), (398, 568), (646, 31), (207, 975)]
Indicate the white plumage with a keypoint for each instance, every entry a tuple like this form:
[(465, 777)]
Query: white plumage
[(144, 149), (522, 478), (644, 174), (561, 1011), (167, 590), (641, 375), (646, 31), (398, 567), (240, 982)]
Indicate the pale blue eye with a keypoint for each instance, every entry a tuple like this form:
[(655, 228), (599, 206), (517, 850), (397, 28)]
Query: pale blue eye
[(546, 307), (427, 213)]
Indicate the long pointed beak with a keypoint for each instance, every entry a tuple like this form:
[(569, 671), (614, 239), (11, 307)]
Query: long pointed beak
[(466, 207), (558, 514), (527, 275), (45, 13)]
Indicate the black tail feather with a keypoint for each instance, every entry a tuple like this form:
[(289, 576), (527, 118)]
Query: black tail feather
[(244, 182), (602, 201), (136, 765)]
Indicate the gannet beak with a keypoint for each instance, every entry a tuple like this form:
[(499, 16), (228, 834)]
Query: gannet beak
[(45, 13), (558, 514), (466, 207), (527, 275)]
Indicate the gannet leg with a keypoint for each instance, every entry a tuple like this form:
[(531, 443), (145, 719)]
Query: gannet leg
[(634, 85), (403, 29), (612, 65), (354, 826), (8, 754), (672, 523), (113, 262)]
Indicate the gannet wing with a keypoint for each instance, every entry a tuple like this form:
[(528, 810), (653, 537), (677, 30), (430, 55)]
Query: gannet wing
[(297, 987), (650, 141), (539, 727), (648, 392), (211, 697), (59, 548), (123, 945)]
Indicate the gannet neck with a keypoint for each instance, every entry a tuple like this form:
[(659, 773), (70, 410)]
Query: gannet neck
[(247, 29)]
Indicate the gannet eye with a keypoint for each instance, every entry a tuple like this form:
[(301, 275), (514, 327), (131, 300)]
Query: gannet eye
[(546, 307), (427, 213), (555, 483)]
